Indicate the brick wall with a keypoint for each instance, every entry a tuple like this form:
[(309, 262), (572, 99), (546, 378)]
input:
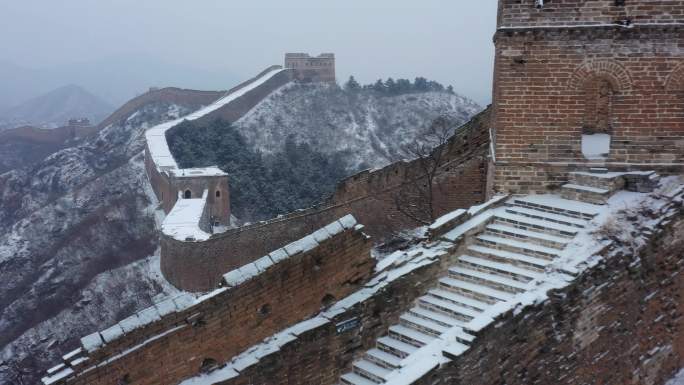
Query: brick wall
[(370, 196), (199, 266), (240, 106), (554, 84), (224, 325), (602, 329), (582, 12), (320, 355), (191, 99), (460, 182), (619, 323)]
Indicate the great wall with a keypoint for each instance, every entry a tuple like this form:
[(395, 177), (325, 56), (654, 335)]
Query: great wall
[(558, 256)]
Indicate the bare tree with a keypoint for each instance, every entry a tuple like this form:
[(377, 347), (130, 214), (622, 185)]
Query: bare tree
[(415, 198)]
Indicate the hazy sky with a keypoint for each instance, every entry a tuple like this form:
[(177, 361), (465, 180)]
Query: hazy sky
[(446, 40)]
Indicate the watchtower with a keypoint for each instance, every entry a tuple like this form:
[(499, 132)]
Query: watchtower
[(312, 69), (580, 84)]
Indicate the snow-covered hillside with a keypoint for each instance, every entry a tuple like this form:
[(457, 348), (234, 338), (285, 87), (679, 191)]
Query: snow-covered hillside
[(78, 230), (374, 127), (65, 222)]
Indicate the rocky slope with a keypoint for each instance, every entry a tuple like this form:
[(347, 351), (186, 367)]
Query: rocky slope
[(375, 128), (64, 222)]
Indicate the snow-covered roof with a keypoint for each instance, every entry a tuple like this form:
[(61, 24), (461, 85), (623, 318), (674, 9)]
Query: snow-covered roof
[(197, 172), (183, 221), (156, 136)]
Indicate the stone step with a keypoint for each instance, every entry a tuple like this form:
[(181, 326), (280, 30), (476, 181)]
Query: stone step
[(531, 224), (447, 307), (384, 359), (521, 260), (587, 194), (410, 336), (457, 331), (492, 280), (611, 181), (480, 292), (422, 325), (545, 217), (437, 317), (504, 269), (554, 204), (392, 345), (459, 299), (527, 235), (370, 370), (354, 379), (516, 246)]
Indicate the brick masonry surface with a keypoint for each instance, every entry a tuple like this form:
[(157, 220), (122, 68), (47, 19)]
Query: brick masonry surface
[(620, 322), (554, 83), (222, 326)]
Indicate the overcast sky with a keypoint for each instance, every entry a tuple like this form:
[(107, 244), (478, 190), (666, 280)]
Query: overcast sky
[(446, 40)]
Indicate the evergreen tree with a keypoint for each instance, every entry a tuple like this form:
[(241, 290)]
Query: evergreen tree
[(379, 86), (261, 187), (420, 85), (404, 86), (391, 86), (352, 85)]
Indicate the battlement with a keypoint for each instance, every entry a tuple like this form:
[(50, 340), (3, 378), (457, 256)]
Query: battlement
[(188, 333), (307, 68), (567, 13)]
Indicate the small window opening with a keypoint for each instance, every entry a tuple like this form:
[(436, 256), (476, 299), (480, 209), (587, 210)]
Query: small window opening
[(125, 380), (208, 364), (327, 300), (265, 309), (188, 194), (218, 193)]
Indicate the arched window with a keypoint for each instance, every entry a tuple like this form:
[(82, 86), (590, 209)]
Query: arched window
[(598, 113), (218, 193), (188, 194)]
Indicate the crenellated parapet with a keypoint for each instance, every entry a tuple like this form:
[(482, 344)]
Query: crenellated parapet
[(188, 334)]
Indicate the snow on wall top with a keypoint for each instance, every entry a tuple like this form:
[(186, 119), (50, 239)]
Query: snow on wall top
[(156, 136), (184, 301), (402, 263), (238, 276), (183, 221)]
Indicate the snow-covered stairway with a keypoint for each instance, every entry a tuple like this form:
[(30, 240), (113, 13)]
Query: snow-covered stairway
[(507, 258)]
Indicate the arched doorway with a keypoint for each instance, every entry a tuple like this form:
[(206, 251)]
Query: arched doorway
[(187, 194)]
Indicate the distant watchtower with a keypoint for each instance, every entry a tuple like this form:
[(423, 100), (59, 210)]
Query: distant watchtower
[(312, 69), (580, 84)]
